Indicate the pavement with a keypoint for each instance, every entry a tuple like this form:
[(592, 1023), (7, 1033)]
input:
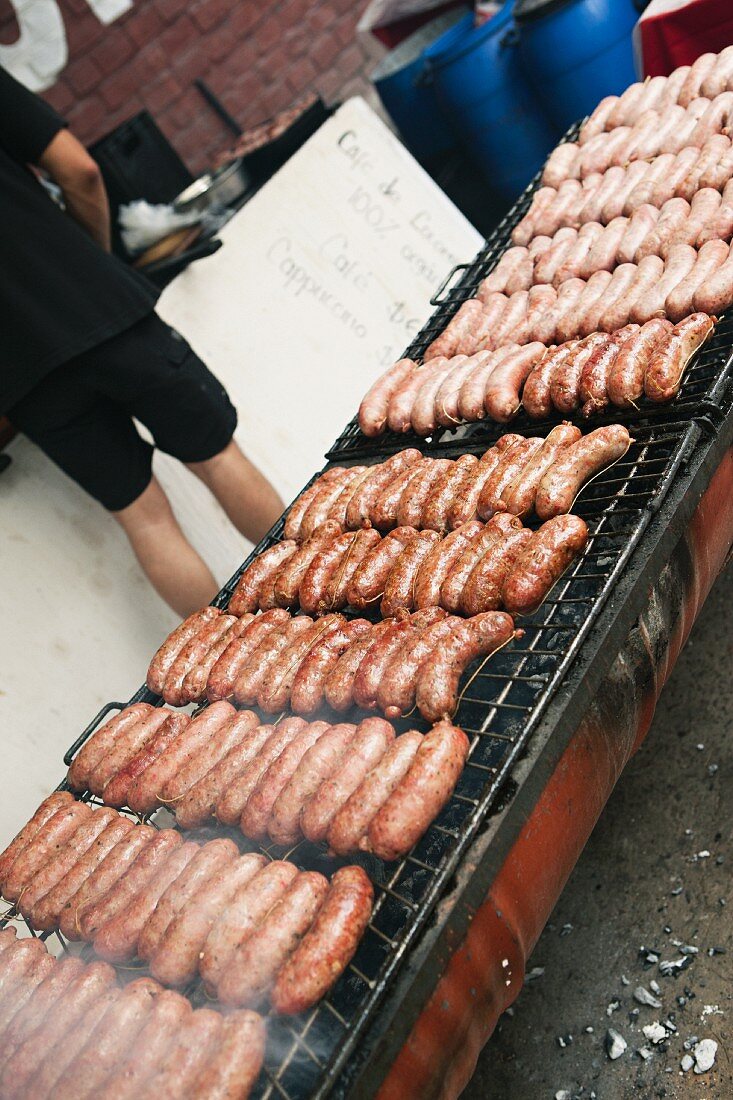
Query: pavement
[(653, 885)]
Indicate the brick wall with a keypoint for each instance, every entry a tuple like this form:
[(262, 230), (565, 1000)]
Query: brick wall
[(257, 56)]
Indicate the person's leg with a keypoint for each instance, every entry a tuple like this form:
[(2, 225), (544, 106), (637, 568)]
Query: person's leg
[(170, 563), (244, 493)]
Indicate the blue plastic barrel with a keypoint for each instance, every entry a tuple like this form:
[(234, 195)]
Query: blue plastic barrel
[(408, 99), (480, 83), (576, 51)]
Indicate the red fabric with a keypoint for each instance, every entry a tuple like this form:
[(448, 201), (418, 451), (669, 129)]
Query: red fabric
[(394, 33), (673, 34)]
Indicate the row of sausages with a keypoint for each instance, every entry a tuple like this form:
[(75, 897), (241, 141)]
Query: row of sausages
[(653, 132), (709, 76), (477, 567), (255, 930), (354, 786), (69, 1030), (439, 494), (282, 661), (645, 359), (573, 253)]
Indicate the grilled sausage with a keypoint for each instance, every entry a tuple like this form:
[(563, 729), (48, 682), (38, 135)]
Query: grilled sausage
[(323, 569), (290, 575), (421, 794), (193, 652), (363, 500), (352, 821), (483, 588), (175, 960), (246, 596), (361, 544), (308, 690), (409, 513), (592, 389), (274, 692), (117, 790), (157, 1035), (470, 403), (465, 503), (252, 674), (337, 511), (439, 561), (375, 403), (102, 741), (195, 1043), (36, 972), (626, 380), (512, 462), (546, 557), (48, 808), (298, 509), (458, 335), (163, 659), (367, 584), (371, 669), (328, 945), (502, 396), (679, 302), (129, 741), (232, 1067), (369, 744), (114, 864), (519, 496), (318, 762), (329, 500), (253, 969), (699, 70), (97, 912), (206, 754), (383, 515), (614, 207), (439, 502), (50, 838), (257, 811), (536, 397), (340, 681), (399, 590), (208, 861), (396, 692), (116, 940), (439, 677), (234, 798), (242, 916), (565, 379), (451, 589), (576, 465), (673, 354), (403, 399), (194, 684), (198, 804)]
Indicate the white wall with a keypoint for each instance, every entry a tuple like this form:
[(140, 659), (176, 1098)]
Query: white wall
[(79, 622)]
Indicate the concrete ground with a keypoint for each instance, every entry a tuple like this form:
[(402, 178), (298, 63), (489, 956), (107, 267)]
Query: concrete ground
[(655, 876)]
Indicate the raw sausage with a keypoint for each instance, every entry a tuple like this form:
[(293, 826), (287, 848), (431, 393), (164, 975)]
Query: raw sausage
[(375, 403), (502, 396), (679, 302)]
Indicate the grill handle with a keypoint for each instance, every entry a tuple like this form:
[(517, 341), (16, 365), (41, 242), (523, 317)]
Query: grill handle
[(440, 295)]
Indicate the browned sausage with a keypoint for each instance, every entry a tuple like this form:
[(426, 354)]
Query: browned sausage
[(536, 397), (626, 380), (102, 741), (340, 681), (256, 813), (577, 464), (412, 504), (161, 663), (246, 596), (274, 693), (511, 464), (396, 692), (375, 403), (163, 780), (483, 588), (402, 401), (234, 798), (465, 503), (290, 576), (362, 542), (43, 814), (498, 528), (254, 967), (673, 354), (439, 562), (549, 553), (315, 766), (328, 945), (420, 796), (369, 744), (363, 500), (592, 389), (399, 591), (192, 653), (116, 791), (205, 754), (244, 914), (198, 804), (175, 960), (565, 382), (252, 673), (234, 1063), (125, 747), (439, 677), (383, 514), (371, 669), (206, 862), (49, 839), (443, 493), (308, 690), (519, 496), (324, 503), (337, 511), (367, 584), (352, 821), (300, 506)]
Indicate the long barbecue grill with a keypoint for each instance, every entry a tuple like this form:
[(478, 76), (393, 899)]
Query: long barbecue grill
[(455, 920)]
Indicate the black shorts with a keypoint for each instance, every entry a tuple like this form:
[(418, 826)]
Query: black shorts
[(81, 414)]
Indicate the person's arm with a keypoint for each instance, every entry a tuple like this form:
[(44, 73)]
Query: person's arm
[(78, 176)]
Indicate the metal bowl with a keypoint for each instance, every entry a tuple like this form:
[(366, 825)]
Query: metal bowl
[(220, 188)]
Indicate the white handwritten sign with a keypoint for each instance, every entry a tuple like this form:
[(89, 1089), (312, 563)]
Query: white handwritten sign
[(324, 278)]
